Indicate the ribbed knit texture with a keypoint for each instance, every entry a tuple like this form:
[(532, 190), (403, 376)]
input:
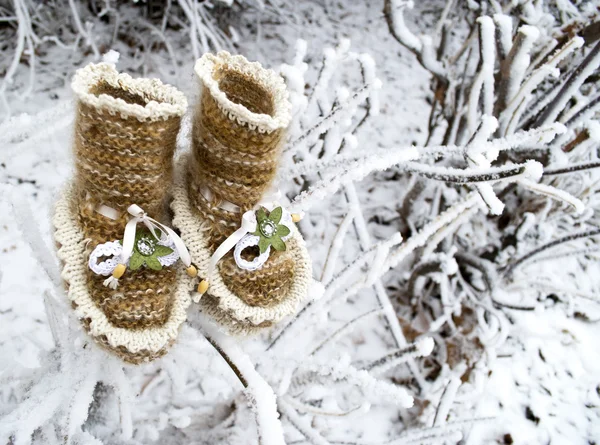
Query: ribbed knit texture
[(225, 306), (132, 345), (238, 129), (125, 137), (121, 160)]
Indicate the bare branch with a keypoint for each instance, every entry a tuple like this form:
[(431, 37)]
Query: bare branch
[(565, 239)]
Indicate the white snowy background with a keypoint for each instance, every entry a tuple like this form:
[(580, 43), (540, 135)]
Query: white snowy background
[(519, 364)]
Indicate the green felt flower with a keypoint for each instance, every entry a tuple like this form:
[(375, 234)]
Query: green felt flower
[(146, 251), (269, 230)]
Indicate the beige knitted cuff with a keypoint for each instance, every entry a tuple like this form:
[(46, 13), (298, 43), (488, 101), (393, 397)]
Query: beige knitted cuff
[(160, 101), (208, 69)]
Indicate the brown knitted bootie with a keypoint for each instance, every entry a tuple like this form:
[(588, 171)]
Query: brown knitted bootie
[(224, 205), (119, 255)]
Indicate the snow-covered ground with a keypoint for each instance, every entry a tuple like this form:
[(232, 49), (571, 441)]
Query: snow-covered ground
[(540, 386)]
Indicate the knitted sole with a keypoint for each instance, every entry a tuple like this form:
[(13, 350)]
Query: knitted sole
[(220, 303), (133, 346)]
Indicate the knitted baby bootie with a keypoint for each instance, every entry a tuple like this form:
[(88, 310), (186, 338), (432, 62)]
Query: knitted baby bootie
[(122, 264), (248, 251)]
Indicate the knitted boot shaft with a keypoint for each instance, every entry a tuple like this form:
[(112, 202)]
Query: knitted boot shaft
[(239, 127), (125, 137)]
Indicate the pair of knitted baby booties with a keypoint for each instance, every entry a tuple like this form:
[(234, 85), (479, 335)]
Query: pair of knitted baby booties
[(141, 234)]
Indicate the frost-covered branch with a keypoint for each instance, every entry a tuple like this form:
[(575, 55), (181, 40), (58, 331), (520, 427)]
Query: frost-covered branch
[(422, 46), (530, 169), (422, 348), (513, 68), (345, 328), (257, 390), (565, 239), (570, 86), (302, 425)]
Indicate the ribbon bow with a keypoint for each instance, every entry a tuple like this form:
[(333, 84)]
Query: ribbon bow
[(248, 225), (156, 229), (140, 216)]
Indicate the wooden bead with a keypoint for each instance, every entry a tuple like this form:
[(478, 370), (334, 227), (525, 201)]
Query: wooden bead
[(192, 271), (202, 287), (119, 271), (296, 217)]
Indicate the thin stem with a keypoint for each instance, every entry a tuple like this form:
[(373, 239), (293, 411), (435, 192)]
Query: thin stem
[(393, 358), (587, 111), (571, 85), (258, 392), (393, 10), (321, 126), (344, 328), (382, 296), (565, 239), (228, 360), (335, 248), (466, 176), (572, 168), (303, 427)]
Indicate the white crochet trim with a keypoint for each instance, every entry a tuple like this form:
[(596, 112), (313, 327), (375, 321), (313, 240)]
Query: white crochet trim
[(72, 255), (165, 100), (190, 225), (250, 240), (170, 259), (115, 249), (208, 64), (105, 268)]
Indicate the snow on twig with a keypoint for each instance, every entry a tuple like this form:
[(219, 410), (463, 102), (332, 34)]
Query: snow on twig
[(421, 348), (530, 170), (513, 68), (373, 277), (511, 114), (484, 80), (301, 424), (356, 172), (554, 193), (419, 239), (504, 35), (31, 233), (446, 401), (341, 371), (335, 247), (513, 265), (422, 47), (340, 281), (345, 328), (260, 395), (570, 87)]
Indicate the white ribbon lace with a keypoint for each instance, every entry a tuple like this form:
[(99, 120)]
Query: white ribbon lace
[(121, 253), (139, 216), (113, 250), (242, 237)]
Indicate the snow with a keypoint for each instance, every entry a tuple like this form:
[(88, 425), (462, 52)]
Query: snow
[(480, 357), (520, 59), (504, 24), (111, 56), (517, 104), (571, 85), (259, 393)]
